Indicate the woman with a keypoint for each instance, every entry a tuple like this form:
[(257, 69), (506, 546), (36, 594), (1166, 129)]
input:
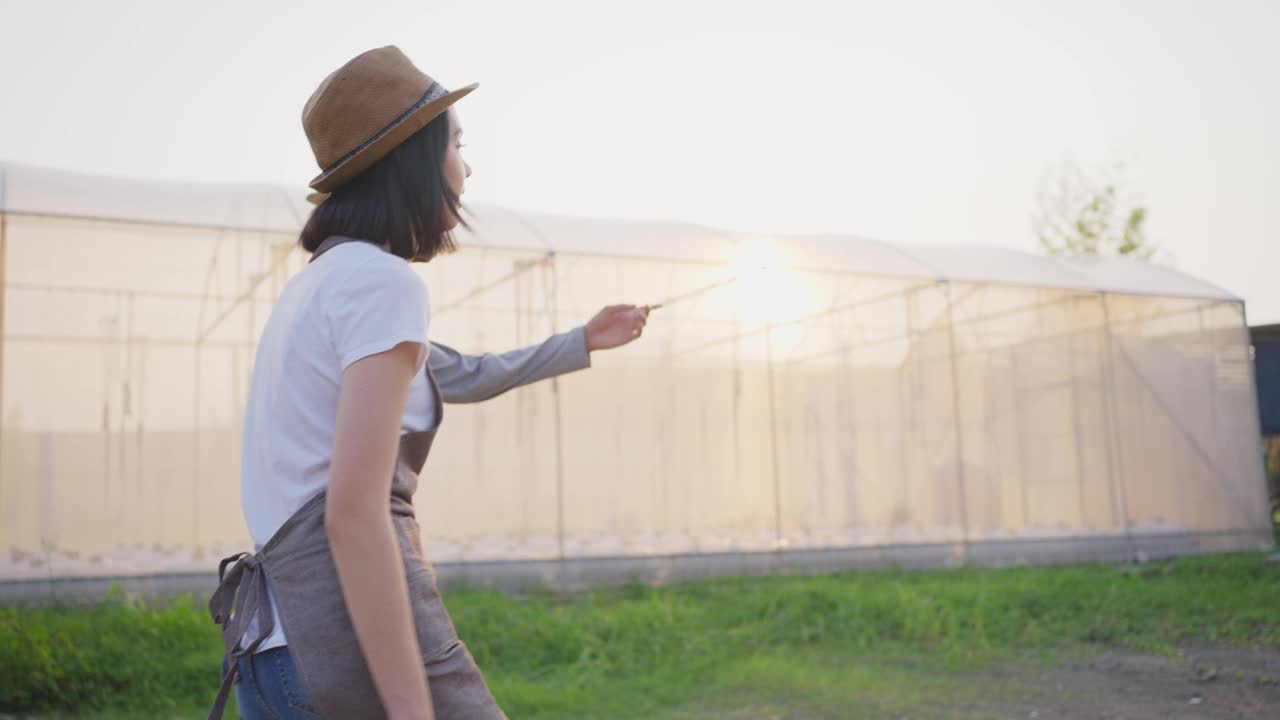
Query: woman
[(337, 614)]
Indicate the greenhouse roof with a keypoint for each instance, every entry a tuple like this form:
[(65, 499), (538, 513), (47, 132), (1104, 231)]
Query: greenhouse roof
[(273, 209)]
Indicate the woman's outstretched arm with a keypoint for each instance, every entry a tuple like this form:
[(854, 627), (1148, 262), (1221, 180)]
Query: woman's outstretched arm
[(475, 378)]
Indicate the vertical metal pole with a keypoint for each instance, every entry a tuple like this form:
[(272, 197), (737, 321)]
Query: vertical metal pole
[(4, 252), (955, 404), (195, 470), (124, 304), (848, 402), (904, 402), (212, 284), (4, 291), (1115, 460), (549, 269), (619, 430), (107, 350), (773, 438), (526, 404), (1016, 381), (1077, 427), (251, 323), (144, 502), (738, 371), (521, 312), (1211, 337)]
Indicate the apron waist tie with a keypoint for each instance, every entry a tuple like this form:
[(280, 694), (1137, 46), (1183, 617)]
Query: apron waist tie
[(241, 596)]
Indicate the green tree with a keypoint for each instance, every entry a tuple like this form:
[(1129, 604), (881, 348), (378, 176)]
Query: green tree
[(1082, 215)]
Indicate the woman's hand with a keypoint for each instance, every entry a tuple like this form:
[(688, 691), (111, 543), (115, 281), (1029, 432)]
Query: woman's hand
[(616, 326)]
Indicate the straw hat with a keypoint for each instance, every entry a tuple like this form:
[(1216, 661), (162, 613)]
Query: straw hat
[(366, 108)]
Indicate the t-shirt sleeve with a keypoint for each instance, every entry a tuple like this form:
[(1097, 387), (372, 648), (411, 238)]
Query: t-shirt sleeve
[(379, 305)]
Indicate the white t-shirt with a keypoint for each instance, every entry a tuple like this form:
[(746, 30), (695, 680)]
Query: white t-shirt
[(354, 301)]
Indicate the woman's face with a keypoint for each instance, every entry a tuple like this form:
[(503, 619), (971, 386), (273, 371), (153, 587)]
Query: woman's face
[(456, 170)]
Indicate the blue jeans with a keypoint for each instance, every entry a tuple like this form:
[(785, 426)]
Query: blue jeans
[(269, 688)]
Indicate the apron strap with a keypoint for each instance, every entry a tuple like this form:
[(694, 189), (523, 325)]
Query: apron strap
[(224, 691)]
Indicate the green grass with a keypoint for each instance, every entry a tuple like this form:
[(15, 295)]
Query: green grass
[(835, 640)]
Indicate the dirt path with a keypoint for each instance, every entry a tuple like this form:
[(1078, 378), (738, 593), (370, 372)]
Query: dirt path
[(1205, 683), (1209, 683)]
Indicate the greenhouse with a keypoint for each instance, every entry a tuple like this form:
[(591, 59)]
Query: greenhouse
[(797, 402)]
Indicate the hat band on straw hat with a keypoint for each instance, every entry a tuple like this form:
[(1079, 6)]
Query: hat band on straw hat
[(433, 92)]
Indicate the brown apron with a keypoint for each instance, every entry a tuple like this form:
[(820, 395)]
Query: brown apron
[(297, 564)]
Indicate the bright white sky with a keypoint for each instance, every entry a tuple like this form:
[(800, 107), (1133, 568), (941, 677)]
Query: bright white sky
[(920, 122)]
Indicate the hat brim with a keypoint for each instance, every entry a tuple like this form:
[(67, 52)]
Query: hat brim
[(334, 177)]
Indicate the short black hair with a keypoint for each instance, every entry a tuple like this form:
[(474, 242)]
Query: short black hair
[(400, 202)]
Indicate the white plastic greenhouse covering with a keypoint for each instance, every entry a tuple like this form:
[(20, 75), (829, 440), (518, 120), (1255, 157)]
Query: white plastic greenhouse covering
[(800, 402)]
